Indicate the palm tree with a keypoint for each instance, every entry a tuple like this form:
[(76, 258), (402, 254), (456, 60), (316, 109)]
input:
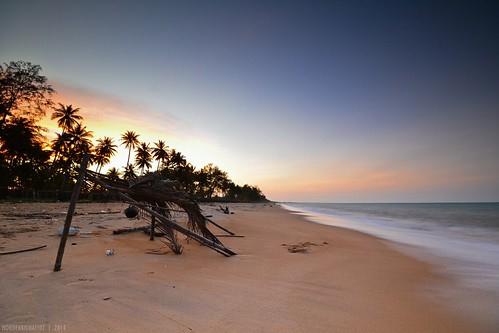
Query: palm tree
[(59, 144), (177, 159), (67, 118), (143, 157), (104, 150), (113, 174), (129, 173), (79, 144), (160, 153), (80, 136), (130, 140)]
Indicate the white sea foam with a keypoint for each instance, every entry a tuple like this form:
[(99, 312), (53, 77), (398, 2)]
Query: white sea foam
[(465, 246)]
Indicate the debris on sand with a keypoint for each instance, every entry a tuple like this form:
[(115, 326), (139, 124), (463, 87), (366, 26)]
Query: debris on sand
[(157, 251), (73, 231), (156, 199), (301, 247), (226, 210), (24, 250)]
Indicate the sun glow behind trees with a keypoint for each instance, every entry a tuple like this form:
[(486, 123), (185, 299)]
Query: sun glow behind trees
[(31, 161)]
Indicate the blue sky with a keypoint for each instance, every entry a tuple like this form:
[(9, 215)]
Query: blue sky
[(318, 101)]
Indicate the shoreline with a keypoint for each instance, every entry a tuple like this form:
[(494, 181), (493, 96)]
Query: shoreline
[(463, 289), (348, 282)]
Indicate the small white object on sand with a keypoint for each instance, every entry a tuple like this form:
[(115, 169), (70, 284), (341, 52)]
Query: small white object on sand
[(72, 231)]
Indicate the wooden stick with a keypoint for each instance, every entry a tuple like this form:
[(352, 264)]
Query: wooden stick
[(69, 216), (240, 236), (127, 230), (99, 213), (25, 250), (220, 227)]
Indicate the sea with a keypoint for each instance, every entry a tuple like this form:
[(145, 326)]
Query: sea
[(462, 239)]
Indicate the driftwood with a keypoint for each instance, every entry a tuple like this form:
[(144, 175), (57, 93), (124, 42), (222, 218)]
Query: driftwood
[(100, 213), (239, 236), (128, 230), (145, 229), (156, 198), (25, 250), (165, 225), (220, 227), (156, 233)]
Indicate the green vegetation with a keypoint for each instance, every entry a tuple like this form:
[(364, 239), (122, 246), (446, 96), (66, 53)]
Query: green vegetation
[(30, 163)]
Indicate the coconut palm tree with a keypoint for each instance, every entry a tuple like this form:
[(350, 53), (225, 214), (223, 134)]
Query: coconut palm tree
[(176, 159), (130, 140), (80, 136), (104, 150), (143, 157), (67, 118), (79, 144), (59, 144), (160, 152), (129, 173), (113, 174)]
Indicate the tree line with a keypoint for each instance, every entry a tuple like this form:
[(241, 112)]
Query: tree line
[(30, 162)]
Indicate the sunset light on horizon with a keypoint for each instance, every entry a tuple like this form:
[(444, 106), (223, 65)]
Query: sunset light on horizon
[(330, 102)]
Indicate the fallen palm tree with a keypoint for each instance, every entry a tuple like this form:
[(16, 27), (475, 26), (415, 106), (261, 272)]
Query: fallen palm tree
[(156, 200)]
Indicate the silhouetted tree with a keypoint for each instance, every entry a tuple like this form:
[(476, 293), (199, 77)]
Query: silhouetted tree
[(143, 157), (131, 140), (176, 159), (160, 153), (129, 173), (103, 152), (23, 91), (212, 181), (22, 147), (113, 174), (67, 117), (77, 144)]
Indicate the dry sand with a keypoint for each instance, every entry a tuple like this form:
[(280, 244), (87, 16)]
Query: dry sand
[(347, 282)]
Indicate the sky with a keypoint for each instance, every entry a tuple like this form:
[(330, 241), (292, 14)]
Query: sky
[(335, 101)]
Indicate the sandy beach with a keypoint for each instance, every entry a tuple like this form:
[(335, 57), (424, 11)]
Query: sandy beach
[(346, 281)]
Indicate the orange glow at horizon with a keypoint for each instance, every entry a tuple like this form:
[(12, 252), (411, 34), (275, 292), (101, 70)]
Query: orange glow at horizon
[(277, 178), (107, 116), (351, 181)]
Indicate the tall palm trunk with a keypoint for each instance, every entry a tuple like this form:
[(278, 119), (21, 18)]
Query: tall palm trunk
[(128, 159), (57, 152)]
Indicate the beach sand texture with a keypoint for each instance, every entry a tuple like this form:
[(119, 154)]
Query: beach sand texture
[(344, 282)]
